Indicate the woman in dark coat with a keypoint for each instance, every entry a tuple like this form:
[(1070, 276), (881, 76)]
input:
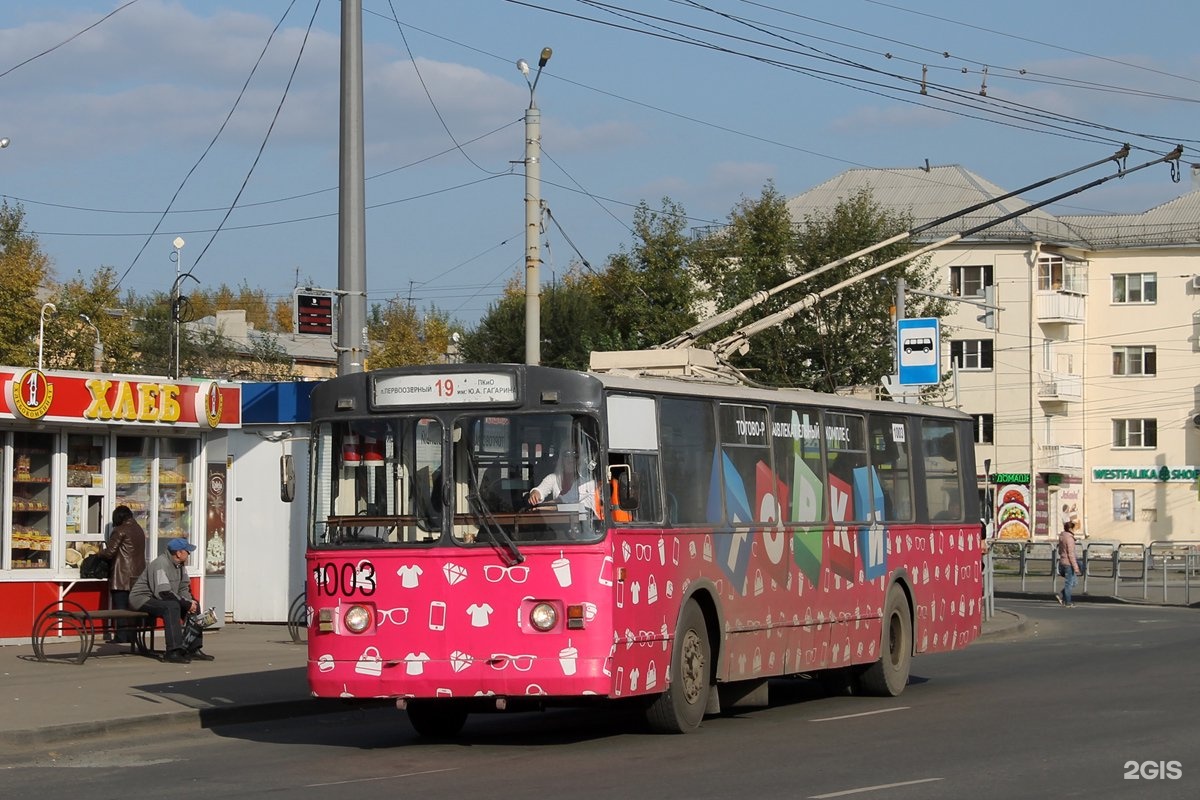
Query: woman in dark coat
[(126, 549)]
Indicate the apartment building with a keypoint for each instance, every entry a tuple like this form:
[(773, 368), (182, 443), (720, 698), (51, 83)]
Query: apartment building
[(1086, 390)]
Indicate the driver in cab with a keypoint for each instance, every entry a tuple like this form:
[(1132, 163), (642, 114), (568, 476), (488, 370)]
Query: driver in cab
[(568, 484)]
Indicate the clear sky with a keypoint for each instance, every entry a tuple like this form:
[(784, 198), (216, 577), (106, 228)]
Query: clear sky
[(702, 102)]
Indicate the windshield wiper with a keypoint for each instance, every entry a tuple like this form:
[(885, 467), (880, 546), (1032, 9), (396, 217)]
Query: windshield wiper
[(484, 517)]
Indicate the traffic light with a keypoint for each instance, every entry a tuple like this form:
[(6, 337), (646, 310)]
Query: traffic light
[(314, 313)]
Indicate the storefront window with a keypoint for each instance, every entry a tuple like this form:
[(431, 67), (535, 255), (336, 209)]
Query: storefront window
[(174, 489), (157, 486), (85, 514), (31, 506), (135, 456)]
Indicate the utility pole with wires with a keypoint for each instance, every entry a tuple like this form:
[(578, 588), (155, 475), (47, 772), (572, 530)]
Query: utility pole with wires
[(533, 212)]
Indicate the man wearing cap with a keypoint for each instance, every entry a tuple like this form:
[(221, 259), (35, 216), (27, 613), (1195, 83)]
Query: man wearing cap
[(164, 591)]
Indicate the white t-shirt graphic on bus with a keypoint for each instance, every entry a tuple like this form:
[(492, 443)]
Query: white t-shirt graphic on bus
[(479, 614), (410, 575)]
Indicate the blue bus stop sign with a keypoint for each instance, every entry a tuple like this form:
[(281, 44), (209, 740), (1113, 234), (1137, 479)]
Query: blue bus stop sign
[(919, 351)]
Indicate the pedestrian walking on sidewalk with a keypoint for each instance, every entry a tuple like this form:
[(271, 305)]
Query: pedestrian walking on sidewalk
[(1068, 565), (126, 549), (164, 591)]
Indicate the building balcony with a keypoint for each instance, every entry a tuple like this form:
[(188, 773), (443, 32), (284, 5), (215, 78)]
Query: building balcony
[(1059, 307), (1060, 458), (1060, 387)]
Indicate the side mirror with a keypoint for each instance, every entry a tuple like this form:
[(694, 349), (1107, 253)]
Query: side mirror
[(287, 478), (628, 495)]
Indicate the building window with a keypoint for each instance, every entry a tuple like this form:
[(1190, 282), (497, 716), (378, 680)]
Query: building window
[(984, 425), (1134, 361), (969, 281), (972, 353), (1050, 273), (1135, 433), (1136, 287)]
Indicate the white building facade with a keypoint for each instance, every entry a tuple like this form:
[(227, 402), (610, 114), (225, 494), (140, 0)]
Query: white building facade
[(1086, 392)]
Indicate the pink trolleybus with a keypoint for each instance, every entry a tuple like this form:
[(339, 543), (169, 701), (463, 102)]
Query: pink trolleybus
[(501, 537)]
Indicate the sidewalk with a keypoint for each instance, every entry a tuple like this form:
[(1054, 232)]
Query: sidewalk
[(258, 675)]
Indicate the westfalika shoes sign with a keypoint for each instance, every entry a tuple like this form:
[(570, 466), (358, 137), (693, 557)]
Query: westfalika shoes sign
[(87, 397)]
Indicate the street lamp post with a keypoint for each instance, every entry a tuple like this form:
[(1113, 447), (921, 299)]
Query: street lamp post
[(98, 348), (4, 140), (42, 330), (533, 212), (176, 309)]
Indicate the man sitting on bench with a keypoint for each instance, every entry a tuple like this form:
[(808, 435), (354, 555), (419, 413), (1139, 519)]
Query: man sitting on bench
[(164, 591)]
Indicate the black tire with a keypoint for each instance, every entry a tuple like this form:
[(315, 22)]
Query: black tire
[(888, 676), (437, 719), (680, 708)]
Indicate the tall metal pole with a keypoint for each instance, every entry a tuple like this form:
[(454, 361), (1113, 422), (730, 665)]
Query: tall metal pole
[(175, 307), (352, 230), (533, 213)]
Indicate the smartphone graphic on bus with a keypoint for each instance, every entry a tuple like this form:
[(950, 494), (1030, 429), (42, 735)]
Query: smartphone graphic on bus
[(437, 616)]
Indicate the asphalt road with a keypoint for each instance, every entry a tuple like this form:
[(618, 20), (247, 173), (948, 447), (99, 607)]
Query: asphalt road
[(1075, 705)]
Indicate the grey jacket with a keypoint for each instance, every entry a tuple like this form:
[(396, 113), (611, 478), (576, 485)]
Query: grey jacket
[(162, 576)]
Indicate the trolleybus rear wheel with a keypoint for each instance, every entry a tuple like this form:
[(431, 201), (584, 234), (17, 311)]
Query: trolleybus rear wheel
[(888, 676), (437, 719), (681, 707)]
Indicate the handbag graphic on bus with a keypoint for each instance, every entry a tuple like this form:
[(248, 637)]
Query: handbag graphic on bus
[(370, 662)]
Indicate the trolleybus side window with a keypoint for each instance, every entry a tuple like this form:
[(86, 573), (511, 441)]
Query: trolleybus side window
[(745, 462), (796, 439), (688, 447), (850, 484), (633, 462), (943, 484), (892, 466)]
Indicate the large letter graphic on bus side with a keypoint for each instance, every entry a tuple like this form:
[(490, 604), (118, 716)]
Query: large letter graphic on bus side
[(807, 493), (870, 538), (732, 548), (841, 554), (767, 493)]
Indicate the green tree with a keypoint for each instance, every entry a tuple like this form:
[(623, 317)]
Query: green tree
[(85, 318), (403, 336), (648, 294), (499, 337), (762, 247), (644, 296), (24, 269)]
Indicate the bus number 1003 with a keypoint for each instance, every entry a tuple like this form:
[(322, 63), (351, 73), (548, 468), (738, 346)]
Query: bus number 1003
[(337, 580), (445, 387)]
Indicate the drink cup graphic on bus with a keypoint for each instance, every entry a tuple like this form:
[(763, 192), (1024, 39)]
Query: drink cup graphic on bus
[(566, 658), (662, 551), (589, 612), (562, 570)]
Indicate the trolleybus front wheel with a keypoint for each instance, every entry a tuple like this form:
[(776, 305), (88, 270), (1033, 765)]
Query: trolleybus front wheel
[(681, 707), (888, 676), (437, 719)]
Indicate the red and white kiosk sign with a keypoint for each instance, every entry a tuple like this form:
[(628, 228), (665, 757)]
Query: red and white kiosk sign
[(87, 397)]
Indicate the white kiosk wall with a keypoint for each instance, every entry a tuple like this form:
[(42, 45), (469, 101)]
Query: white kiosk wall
[(266, 536)]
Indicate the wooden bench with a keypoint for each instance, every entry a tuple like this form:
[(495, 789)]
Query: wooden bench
[(63, 619)]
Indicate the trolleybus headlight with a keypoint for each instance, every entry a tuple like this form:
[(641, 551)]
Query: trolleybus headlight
[(544, 616), (357, 619)]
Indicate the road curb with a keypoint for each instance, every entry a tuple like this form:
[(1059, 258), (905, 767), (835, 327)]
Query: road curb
[(198, 718), (1004, 623)]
